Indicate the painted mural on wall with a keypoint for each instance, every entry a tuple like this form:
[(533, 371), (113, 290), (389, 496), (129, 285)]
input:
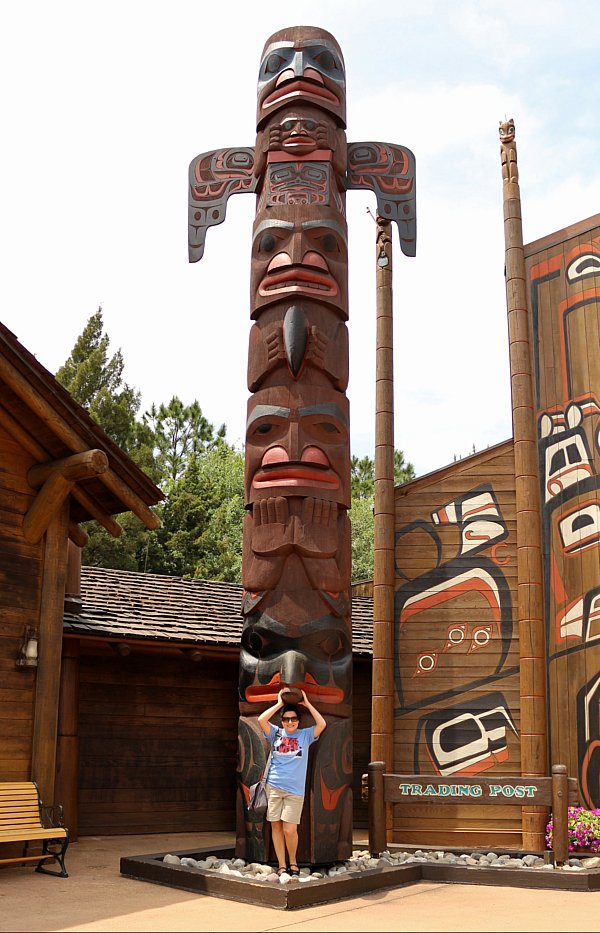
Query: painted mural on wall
[(456, 645), (296, 561), (564, 279)]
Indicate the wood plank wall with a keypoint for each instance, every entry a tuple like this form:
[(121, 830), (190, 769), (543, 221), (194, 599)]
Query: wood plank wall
[(20, 591), (158, 743), (563, 272), (456, 644)]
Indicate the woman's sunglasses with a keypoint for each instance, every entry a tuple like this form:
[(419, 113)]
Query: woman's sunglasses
[(289, 719)]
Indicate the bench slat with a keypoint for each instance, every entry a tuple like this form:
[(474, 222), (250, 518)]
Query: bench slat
[(8, 784), (19, 802), (17, 798), (22, 835), (5, 825)]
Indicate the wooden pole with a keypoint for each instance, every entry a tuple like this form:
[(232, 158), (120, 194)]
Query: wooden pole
[(45, 716), (560, 813), (382, 727), (67, 749), (377, 828), (534, 737)]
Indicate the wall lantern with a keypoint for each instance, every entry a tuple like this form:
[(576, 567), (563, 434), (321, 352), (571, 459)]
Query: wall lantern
[(28, 652)]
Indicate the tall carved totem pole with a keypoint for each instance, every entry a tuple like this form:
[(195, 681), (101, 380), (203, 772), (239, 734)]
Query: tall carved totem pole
[(296, 566)]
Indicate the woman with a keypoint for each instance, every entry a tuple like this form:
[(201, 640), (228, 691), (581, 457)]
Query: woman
[(286, 779)]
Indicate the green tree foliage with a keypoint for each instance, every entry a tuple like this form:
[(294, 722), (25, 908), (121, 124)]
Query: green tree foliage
[(165, 443), (362, 478), (362, 520), (96, 382), (362, 474), (181, 432), (201, 531)]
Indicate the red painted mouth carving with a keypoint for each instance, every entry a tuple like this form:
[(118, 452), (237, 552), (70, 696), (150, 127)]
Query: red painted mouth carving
[(296, 473), (293, 142), (300, 88), (297, 279)]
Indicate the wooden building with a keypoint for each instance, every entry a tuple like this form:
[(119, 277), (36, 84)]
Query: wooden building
[(497, 578), (155, 667), (57, 469), (456, 669)]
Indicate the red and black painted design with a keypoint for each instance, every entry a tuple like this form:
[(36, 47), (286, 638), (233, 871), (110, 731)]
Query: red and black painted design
[(564, 283), (468, 738), (457, 615), (296, 560)]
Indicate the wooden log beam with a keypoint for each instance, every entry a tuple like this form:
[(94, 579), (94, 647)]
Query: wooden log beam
[(45, 716), (80, 466), (67, 747), (45, 506), (102, 517), (77, 534), (20, 385), (37, 451)]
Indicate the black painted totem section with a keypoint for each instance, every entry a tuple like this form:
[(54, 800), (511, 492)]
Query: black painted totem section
[(296, 567)]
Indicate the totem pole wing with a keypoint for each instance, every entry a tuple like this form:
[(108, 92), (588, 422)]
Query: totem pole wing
[(389, 171), (214, 177)]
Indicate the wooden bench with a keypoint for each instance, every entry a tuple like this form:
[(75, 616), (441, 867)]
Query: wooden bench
[(25, 819)]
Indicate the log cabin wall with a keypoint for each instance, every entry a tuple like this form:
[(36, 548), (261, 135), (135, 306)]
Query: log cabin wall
[(21, 572), (563, 278), (158, 742), (456, 644)]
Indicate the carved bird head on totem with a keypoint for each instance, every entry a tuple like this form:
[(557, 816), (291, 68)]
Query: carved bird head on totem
[(301, 65)]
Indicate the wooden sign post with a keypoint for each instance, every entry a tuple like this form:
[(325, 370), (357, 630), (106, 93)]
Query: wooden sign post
[(555, 792)]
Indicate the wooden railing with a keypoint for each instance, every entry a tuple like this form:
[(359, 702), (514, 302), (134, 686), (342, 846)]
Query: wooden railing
[(556, 792)]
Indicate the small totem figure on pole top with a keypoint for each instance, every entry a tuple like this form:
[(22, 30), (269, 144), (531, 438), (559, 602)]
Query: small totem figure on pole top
[(296, 560)]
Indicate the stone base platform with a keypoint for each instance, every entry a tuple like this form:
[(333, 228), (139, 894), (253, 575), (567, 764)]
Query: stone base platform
[(323, 890)]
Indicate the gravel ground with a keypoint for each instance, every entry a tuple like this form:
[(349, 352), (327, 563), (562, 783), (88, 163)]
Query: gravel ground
[(362, 860)]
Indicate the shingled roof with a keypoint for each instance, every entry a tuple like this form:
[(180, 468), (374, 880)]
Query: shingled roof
[(126, 605)]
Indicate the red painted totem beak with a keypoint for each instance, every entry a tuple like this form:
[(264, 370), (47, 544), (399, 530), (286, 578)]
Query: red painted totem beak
[(267, 693)]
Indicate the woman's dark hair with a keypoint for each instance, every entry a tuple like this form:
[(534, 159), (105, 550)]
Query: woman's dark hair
[(290, 708)]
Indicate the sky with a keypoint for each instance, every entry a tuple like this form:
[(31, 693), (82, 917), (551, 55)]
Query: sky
[(105, 105)]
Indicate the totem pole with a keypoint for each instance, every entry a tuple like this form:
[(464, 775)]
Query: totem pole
[(534, 762), (296, 561)]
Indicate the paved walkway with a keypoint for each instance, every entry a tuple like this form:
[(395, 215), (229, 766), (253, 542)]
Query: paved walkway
[(96, 897)]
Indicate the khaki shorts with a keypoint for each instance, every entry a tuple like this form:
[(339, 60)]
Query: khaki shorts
[(283, 805)]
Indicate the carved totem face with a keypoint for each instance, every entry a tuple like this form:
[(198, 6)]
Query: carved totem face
[(299, 256), (507, 131), (301, 65), (297, 444), (300, 131), (315, 656)]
